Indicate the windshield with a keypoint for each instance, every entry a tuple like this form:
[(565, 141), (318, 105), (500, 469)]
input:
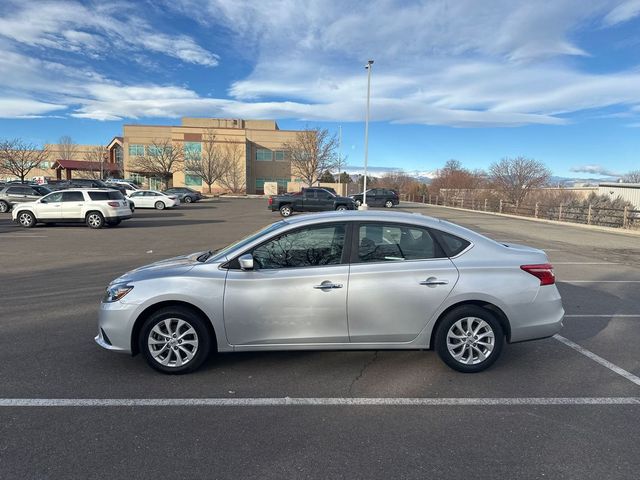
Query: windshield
[(248, 239)]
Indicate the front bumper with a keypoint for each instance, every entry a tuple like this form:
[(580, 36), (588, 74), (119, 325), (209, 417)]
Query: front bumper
[(115, 324)]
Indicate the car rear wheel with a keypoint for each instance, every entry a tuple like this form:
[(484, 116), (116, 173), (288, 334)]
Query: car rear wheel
[(94, 220), (175, 340), (388, 204), (26, 219), (4, 207), (160, 206), (358, 203), (187, 199), (286, 210), (341, 207), (469, 339)]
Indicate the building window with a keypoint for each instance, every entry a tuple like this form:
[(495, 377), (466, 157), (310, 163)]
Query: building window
[(192, 149), (192, 180), (136, 149), (44, 165), (280, 155), (264, 155), (156, 150), (117, 153)]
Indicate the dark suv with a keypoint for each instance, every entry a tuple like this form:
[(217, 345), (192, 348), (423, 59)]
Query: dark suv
[(378, 197), (19, 193)]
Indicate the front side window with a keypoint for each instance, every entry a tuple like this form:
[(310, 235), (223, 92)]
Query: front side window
[(53, 198), (388, 243), (308, 247)]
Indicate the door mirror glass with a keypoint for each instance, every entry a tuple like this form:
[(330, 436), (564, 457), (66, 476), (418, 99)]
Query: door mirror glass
[(246, 261)]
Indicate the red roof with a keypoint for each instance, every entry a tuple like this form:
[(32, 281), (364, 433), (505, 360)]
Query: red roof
[(86, 166)]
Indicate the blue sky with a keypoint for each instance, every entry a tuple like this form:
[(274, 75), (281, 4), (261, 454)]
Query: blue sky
[(476, 81)]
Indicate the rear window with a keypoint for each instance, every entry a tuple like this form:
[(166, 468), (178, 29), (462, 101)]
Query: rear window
[(451, 244), (110, 195)]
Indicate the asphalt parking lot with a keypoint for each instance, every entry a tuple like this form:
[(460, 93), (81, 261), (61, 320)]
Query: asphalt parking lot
[(564, 407)]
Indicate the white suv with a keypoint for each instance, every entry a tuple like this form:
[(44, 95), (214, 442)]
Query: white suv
[(94, 206)]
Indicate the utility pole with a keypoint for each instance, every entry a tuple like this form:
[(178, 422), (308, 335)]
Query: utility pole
[(340, 159), (364, 206)]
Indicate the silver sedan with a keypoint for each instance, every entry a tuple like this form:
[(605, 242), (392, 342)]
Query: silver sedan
[(337, 281)]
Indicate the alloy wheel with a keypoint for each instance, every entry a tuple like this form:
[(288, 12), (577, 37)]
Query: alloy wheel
[(25, 219), (470, 340), (94, 220), (172, 342)]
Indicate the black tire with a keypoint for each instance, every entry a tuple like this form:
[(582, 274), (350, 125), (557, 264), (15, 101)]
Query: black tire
[(94, 220), (341, 207), (188, 199), (172, 315), (114, 223), (26, 219), (472, 350), (160, 205), (4, 206), (358, 202), (286, 210), (388, 204)]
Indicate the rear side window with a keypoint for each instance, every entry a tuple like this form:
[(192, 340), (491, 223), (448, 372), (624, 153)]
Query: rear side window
[(451, 244), (110, 195), (379, 242), (72, 197), (15, 190)]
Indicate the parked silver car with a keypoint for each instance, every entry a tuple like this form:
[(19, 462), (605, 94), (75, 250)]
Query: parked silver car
[(337, 280)]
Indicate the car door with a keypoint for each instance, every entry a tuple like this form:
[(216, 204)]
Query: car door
[(31, 195), (49, 207), (72, 203), (399, 277), (138, 199), (297, 292), (16, 194)]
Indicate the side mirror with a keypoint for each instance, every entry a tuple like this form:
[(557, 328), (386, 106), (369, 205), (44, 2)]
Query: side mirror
[(43, 201), (246, 261)]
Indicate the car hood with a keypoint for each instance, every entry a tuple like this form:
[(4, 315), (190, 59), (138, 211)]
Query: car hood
[(164, 268)]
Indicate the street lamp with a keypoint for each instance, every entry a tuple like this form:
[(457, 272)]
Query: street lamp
[(364, 206)]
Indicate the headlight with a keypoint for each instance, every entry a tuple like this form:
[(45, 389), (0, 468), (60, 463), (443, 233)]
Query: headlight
[(116, 292)]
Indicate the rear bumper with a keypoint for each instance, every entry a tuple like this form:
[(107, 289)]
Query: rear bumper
[(541, 318)]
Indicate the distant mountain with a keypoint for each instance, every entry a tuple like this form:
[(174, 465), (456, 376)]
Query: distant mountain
[(579, 182), (373, 171)]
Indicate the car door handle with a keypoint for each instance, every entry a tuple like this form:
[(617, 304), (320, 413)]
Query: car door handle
[(434, 281), (325, 285)]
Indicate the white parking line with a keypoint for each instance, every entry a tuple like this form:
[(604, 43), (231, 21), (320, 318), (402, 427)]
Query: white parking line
[(585, 263), (605, 363), (599, 281), (621, 315), (310, 402)]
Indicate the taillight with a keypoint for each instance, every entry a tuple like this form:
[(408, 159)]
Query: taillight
[(113, 204), (543, 271), (172, 197), (270, 201)]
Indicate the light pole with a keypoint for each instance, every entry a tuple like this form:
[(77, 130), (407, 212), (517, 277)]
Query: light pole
[(364, 205), (340, 159)]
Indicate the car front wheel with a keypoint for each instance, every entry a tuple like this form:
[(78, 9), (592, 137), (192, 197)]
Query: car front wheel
[(188, 199), (341, 207), (358, 203), (388, 204), (469, 339), (175, 340), (4, 207), (160, 206), (26, 219)]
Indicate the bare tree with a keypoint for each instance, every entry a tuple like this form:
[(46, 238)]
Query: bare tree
[(454, 177), (631, 177), (312, 152), (97, 155), (161, 159), (18, 158), (234, 177), (67, 148), (210, 164), (515, 177)]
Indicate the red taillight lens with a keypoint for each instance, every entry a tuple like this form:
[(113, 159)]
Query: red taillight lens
[(543, 271), (113, 204), (270, 200)]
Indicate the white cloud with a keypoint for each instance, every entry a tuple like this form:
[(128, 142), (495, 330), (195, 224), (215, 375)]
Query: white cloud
[(71, 26), (25, 108), (595, 170), (622, 13)]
